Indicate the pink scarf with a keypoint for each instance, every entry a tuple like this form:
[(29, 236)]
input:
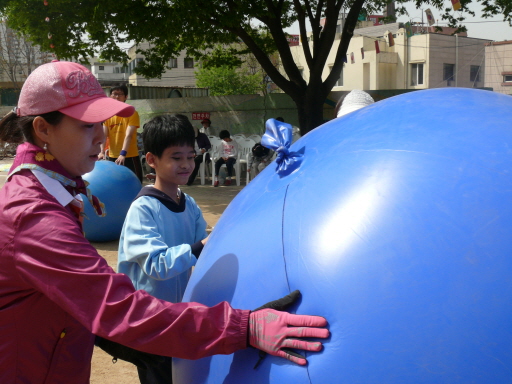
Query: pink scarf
[(30, 156)]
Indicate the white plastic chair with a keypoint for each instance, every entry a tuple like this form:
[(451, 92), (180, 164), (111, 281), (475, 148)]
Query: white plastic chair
[(237, 136), (215, 155), (256, 138), (202, 168), (245, 148), (296, 134), (214, 141)]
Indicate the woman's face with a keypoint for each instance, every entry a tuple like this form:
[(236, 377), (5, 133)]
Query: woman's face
[(75, 144)]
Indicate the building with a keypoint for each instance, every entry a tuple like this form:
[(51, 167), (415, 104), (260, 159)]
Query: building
[(179, 81), (498, 66), (382, 57), (18, 58), (109, 73), (180, 72)]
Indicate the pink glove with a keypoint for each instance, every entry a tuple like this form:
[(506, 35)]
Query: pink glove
[(275, 331)]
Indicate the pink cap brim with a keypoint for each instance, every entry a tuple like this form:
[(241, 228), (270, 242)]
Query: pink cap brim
[(98, 110)]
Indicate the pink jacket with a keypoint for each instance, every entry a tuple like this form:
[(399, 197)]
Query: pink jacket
[(56, 292)]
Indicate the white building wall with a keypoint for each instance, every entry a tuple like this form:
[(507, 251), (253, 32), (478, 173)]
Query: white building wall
[(498, 63), (463, 52), (111, 72), (18, 57), (391, 68), (416, 51), (175, 77)]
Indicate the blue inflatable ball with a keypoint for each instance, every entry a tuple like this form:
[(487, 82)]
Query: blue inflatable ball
[(116, 186), (396, 228)]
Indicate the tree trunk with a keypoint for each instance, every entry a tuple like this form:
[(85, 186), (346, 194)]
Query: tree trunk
[(310, 110)]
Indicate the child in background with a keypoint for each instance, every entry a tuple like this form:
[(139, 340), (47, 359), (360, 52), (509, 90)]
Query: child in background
[(164, 231), (56, 291), (259, 158), (228, 155)]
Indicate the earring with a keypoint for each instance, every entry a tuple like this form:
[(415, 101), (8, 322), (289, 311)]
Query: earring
[(45, 146)]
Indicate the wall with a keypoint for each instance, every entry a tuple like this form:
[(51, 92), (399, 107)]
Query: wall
[(443, 50), (498, 61), (238, 114), (175, 77)]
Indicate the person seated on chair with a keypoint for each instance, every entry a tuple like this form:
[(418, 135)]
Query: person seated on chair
[(201, 145), (206, 128), (228, 153), (259, 158)]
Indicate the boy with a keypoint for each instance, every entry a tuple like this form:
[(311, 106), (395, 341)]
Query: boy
[(228, 153), (164, 231), (259, 158), (121, 133)]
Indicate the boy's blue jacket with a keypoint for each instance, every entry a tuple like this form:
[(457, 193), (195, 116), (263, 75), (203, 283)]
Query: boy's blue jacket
[(158, 242)]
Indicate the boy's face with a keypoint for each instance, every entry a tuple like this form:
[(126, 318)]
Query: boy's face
[(118, 95), (174, 166)]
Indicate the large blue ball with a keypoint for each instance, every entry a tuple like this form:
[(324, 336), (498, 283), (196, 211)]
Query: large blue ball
[(116, 186), (397, 228)]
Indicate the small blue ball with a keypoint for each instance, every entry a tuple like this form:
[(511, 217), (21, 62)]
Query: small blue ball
[(116, 186)]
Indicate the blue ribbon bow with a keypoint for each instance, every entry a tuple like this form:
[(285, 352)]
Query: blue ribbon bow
[(278, 137)]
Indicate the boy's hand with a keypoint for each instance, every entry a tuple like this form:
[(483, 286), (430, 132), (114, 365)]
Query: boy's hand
[(120, 160), (205, 240)]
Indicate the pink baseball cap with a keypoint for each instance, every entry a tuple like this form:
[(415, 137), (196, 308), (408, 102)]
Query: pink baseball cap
[(69, 88)]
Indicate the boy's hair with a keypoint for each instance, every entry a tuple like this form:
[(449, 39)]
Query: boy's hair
[(224, 134), (162, 132), (280, 119), (123, 88)]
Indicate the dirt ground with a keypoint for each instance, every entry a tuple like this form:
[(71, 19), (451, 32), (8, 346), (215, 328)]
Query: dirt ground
[(212, 202)]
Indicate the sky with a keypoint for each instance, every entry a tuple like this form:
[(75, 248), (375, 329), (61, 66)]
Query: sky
[(493, 28), (478, 27)]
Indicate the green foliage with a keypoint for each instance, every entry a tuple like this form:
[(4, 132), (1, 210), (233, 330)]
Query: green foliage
[(225, 80), (79, 28), (223, 57)]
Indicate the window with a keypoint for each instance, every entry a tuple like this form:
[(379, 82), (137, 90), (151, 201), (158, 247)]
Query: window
[(339, 82), (101, 68), (417, 74), (188, 62), (507, 78), (173, 63), (449, 73), (474, 73)]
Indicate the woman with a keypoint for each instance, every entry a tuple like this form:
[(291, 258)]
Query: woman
[(56, 291), (202, 145)]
